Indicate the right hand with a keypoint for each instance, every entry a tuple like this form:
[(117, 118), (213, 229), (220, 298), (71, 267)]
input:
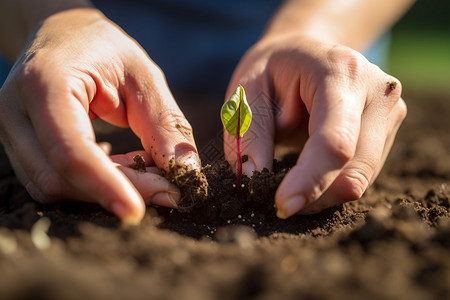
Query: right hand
[(332, 105), (78, 66)]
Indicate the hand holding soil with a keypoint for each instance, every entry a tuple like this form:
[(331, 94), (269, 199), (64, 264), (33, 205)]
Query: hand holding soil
[(326, 101), (79, 66)]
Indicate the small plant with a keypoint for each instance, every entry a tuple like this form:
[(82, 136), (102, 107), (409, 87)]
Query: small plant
[(236, 118)]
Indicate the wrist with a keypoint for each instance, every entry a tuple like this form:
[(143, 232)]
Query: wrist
[(68, 29), (35, 12), (317, 31), (349, 23), (19, 19)]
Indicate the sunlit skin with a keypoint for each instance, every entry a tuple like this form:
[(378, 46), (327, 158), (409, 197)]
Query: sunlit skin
[(74, 65), (328, 101), (54, 91)]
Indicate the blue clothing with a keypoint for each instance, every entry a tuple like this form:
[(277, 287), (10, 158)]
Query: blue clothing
[(196, 43), (5, 66)]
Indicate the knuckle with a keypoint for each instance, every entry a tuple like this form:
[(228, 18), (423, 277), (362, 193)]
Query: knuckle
[(355, 183), (319, 185), (35, 192), (388, 92), (341, 144), (157, 74), (175, 122), (62, 159), (343, 54), (346, 62), (28, 80), (29, 72), (394, 88), (46, 187), (401, 110)]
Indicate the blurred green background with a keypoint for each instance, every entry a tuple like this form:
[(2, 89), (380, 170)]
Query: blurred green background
[(420, 48)]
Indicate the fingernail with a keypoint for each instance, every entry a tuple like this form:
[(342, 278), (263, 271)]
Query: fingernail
[(189, 159), (291, 207), (167, 199), (248, 167), (123, 213)]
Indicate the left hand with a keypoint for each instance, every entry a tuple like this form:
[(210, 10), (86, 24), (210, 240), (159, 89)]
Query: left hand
[(326, 100)]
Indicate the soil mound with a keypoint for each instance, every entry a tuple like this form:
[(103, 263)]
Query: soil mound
[(394, 243)]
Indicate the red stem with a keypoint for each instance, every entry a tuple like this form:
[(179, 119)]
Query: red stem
[(239, 156)]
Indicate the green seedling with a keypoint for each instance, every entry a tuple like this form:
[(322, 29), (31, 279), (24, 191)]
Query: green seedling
[(236, 118)]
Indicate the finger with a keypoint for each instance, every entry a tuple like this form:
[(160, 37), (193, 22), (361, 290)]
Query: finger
[(397, 116), (106, 147), (258, 141), (376, 139), (157, 120), (153, 188), (64, 130), (334, 129), (31, 166), (128, 158)]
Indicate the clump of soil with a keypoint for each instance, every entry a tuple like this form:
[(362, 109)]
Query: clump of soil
[(393, 243), (138, 163), (254, 208), (222, 202), (192, 183), (210, 196)]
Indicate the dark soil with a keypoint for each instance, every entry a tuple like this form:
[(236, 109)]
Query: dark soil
[(138, 163), (394, 243), (220, 206), (193, 185)]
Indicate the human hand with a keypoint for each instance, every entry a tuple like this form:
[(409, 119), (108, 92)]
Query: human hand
[(78, 66), (326, 100)]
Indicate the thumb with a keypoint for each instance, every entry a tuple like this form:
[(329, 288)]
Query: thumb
[(258, 141)]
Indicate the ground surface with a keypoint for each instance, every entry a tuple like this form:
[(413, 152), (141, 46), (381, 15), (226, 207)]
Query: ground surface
[(394, 243)]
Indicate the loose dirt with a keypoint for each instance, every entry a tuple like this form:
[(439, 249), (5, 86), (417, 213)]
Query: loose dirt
[(394, 243)]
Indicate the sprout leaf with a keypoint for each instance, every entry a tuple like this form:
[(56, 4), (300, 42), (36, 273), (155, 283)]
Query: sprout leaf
[(234, 109)]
